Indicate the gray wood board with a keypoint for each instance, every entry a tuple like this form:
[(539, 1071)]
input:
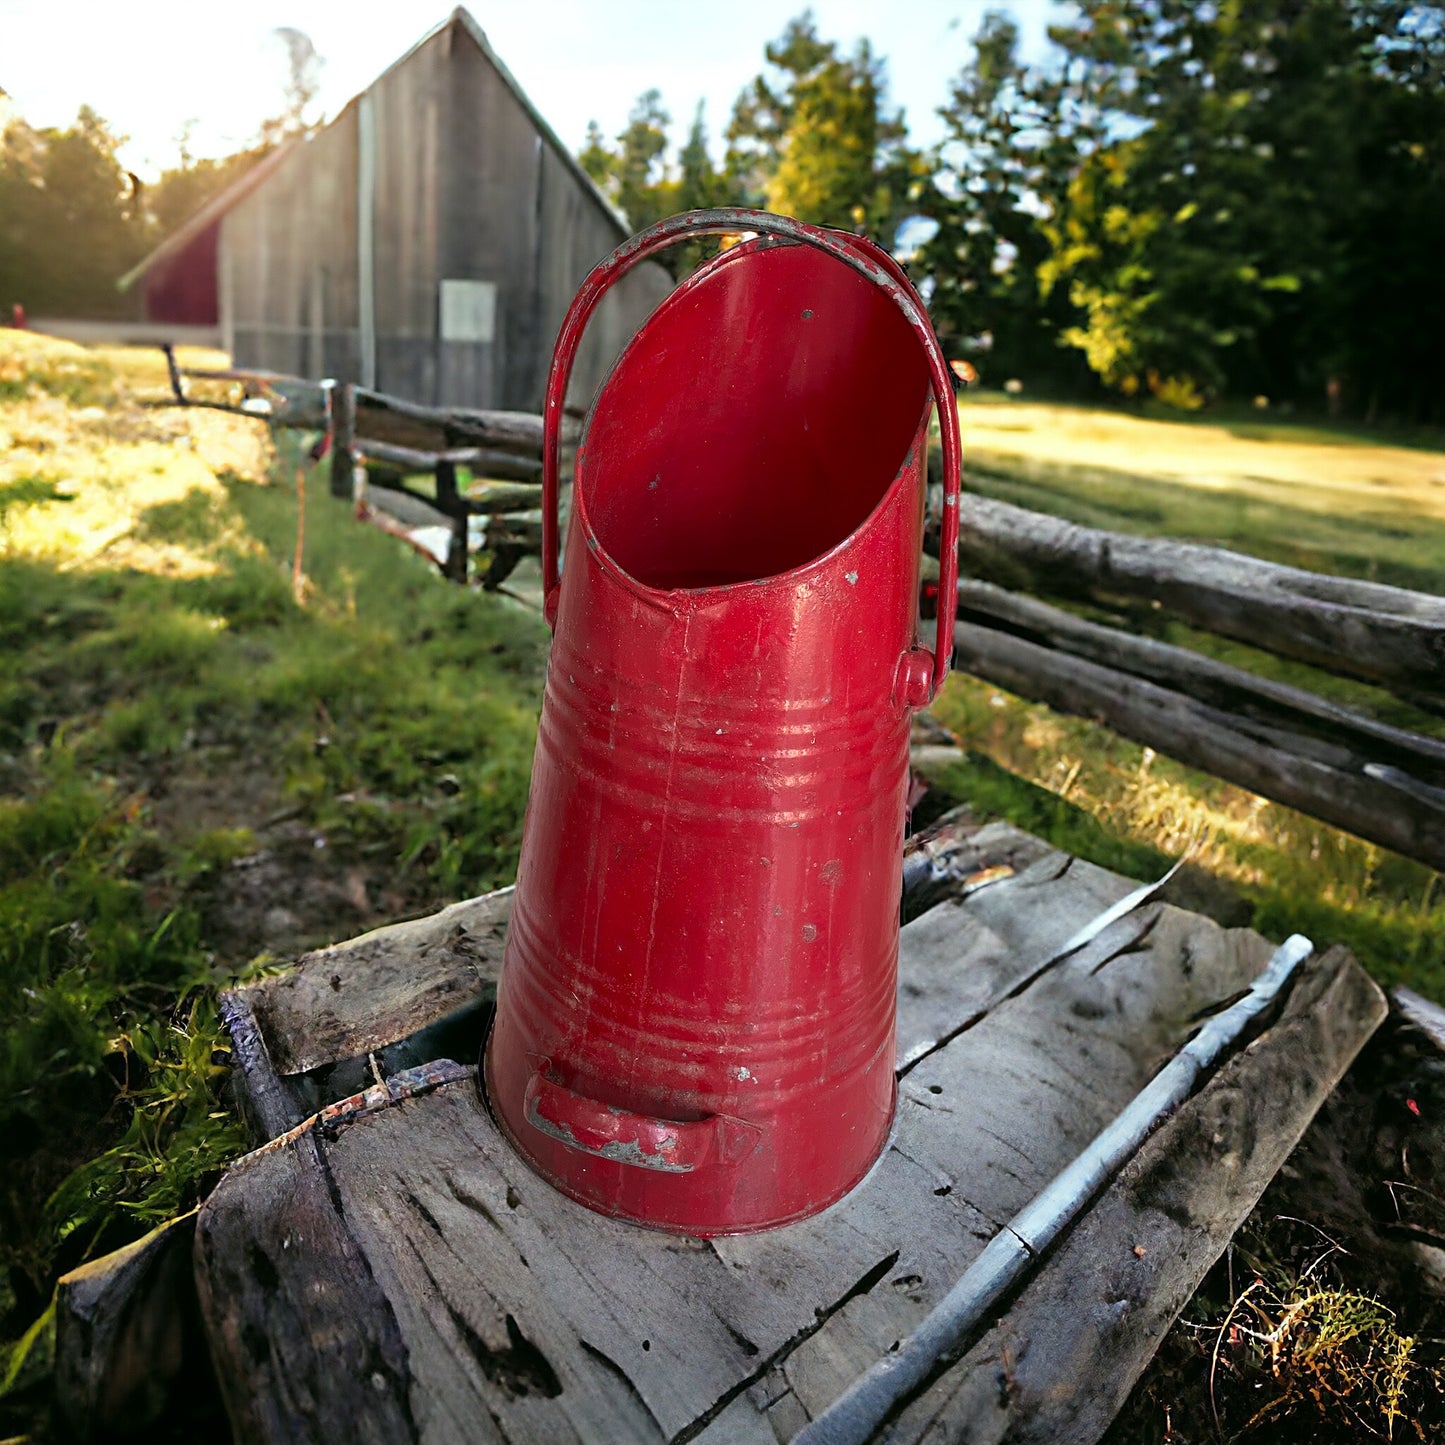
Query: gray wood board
[(520, 1316), (125, 1331), (1057, 1367), (360, 995)]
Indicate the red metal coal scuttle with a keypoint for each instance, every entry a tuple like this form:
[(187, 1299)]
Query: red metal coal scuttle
[(695, 1023)]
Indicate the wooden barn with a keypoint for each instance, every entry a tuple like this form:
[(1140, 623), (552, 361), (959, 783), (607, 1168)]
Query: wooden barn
[(426, 243)]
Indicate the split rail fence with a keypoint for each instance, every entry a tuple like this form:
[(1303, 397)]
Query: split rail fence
[(1333, 762)]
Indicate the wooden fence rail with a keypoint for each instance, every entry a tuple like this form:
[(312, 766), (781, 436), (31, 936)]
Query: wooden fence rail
[(1379, 634), (378, 441)]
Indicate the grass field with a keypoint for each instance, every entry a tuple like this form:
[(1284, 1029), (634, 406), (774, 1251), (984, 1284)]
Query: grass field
[(202, 772), (1331, 501)]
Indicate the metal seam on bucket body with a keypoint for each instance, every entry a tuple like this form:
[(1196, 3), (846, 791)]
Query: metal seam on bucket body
[(706, 926)]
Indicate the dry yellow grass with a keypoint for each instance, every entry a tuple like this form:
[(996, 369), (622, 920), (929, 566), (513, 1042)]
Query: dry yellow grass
[(1328, 472), (109, 460)]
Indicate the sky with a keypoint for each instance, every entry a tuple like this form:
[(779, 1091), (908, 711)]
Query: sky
[(152, 66)]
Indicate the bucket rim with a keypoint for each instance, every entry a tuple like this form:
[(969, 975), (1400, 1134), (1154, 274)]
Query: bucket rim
[(666, 596), (717, 591)]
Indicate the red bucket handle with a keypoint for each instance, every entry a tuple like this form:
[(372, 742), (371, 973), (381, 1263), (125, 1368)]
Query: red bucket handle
[(863, 256)]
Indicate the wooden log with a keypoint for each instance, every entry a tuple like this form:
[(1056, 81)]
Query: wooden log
[(523, 1317), (1394, 810), (1062, 1360), (438, 429), (328, 1363), (505, 467), (126, 1334), (407, 458), (371, 991), (481, 461), (1276, 707), (1380, 634), (402, 504), (485, 498)]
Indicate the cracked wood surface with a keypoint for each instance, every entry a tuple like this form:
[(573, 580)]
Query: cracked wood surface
[(371, 991), (339, 1004), (493, 1308), (1059, 1365)]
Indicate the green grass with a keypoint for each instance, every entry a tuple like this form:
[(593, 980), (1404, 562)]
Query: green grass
[(1332, 501), (164, 699)]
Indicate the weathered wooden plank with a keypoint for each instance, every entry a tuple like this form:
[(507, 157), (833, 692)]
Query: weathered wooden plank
[(341, 1002), (1057, 1367), (437, 429), (361, 995), (519, 1308), (999, 1111), (1362, 629), (125, 1331), (316, 1357), (1376, 802)]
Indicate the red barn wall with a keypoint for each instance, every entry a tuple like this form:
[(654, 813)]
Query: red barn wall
[(182, 288)]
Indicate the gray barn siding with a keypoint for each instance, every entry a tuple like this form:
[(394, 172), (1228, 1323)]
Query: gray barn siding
[(409, 101), (466, 188), (290, 251)]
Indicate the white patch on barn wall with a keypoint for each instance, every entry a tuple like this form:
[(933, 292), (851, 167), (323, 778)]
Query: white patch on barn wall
[(468, 310)]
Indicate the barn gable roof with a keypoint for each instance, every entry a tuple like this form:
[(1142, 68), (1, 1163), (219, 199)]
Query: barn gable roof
[(209, 213), (242, 187)]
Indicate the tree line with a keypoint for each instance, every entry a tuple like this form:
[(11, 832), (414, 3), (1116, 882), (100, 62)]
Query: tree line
[(73, 219), (1189, 200)]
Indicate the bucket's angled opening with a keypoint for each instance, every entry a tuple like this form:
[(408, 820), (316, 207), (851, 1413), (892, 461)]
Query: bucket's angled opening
[(754, 422)]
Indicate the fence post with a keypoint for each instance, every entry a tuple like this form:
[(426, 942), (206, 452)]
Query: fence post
[(454, 505), (343, 433)]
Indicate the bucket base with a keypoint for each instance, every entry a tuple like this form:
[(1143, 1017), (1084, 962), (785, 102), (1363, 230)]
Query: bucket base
[(749, 1197)]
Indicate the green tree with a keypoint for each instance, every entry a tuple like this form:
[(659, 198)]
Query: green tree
[(302, 85), (817, 140), (184, 188), (71, 218), (635, 176), (632, 173), (1012, 146), (595, 157), (1227, 232), (643, 192)]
